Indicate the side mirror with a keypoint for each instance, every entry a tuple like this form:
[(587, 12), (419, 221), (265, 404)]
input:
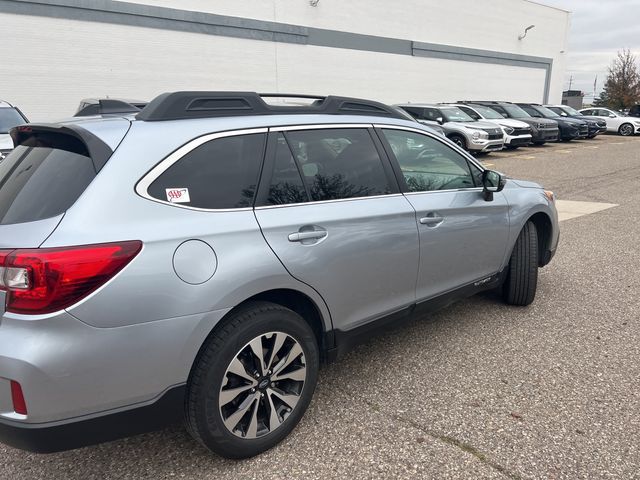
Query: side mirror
[(492, 182), (611, 115), (440, 120)]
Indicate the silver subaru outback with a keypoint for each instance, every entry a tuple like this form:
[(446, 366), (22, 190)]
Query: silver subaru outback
[(199, 260)]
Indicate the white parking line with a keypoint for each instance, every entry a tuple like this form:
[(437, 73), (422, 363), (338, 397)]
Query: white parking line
[(572, 209)]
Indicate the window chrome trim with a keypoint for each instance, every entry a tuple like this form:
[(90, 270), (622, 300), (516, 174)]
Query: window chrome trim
[(145, 182), (472, 189), (454, 147), (318, 202), (316, 126)]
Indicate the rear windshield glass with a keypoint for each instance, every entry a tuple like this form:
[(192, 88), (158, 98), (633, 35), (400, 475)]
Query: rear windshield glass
[(43, 177)]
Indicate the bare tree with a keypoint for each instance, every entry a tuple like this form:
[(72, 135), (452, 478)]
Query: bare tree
[(622, 87)]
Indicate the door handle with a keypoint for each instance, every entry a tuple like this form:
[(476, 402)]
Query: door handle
[(310, 235), (432, 220)]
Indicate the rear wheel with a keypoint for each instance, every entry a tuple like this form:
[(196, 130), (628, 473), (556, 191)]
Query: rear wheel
[(252, 381), (625, 129), (522, 274)]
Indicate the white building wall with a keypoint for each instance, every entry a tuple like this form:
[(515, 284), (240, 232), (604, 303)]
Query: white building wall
[(49, 64)]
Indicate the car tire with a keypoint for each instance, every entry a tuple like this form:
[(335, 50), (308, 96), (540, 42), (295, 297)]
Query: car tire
[(626, 129), (511, 147), (539, 143), (522, 272), (459, 140), (228, 409)]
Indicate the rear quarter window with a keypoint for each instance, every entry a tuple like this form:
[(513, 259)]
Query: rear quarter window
[(219, 174), (42, 177)]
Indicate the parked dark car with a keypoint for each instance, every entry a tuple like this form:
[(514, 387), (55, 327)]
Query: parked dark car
[(634, 111), (108, 106), (542, 129), (596, 125), (570, 128)]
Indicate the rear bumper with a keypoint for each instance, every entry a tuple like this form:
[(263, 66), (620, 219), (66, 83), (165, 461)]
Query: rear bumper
[(68, 369), (59, 436)]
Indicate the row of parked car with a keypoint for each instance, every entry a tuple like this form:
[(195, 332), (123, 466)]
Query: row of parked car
[(476, 126), (486, 126)]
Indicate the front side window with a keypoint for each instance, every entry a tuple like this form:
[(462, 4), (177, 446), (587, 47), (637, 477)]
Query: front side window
[(454, 114), (428, 164), (222, 173), (339, 163), (471, 113), (531, 111)]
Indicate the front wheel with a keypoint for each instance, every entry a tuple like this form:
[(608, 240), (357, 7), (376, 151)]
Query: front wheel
[(522, 273), (625, 129), (252, 381), (458, 140)]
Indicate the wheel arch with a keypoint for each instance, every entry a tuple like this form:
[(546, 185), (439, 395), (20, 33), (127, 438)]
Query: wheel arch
[(297, 301), (542, 221)]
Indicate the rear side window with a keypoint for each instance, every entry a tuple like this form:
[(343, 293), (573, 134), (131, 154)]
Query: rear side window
[(43, 177), (222, 173), (339, 163), (286, 184)]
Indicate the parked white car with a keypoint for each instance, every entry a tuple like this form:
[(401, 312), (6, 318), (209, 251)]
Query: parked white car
[(616, 122), (517, 133)]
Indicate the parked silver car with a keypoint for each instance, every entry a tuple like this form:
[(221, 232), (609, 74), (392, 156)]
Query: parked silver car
[(516, 132), (199, 260), (472, 135), (10, 117)]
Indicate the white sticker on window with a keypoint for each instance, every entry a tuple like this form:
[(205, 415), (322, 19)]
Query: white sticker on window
[(178, 195)]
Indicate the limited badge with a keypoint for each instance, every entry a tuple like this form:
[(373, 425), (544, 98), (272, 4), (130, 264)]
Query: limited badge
[(178, 195)]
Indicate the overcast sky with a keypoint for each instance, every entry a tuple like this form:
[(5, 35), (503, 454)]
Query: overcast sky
[(599, 28)]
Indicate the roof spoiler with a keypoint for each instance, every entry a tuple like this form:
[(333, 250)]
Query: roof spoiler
[(99, 151)]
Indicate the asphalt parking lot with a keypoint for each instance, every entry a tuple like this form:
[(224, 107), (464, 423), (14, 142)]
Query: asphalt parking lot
[(478, 390)]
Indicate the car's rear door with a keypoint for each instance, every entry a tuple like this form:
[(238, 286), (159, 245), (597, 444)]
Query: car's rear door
[(463, 238), (330, 209)]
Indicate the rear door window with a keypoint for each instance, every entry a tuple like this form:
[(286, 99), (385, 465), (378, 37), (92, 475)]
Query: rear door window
[(43, 177), (339, 163), (222, 173)]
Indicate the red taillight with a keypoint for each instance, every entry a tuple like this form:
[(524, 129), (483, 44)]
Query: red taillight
[(19, 404), (44, 280)]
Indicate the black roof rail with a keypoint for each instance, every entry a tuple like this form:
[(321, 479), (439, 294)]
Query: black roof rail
[(106, 106), (184, 105)]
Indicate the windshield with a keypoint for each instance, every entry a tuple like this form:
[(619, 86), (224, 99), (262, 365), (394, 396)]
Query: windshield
[(515, 111), (488, 113), (570, 111), (454, 114), (546, 112), (9, 118)]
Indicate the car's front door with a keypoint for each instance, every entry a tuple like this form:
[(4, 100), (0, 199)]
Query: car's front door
[(463, 237), (330, 209)]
